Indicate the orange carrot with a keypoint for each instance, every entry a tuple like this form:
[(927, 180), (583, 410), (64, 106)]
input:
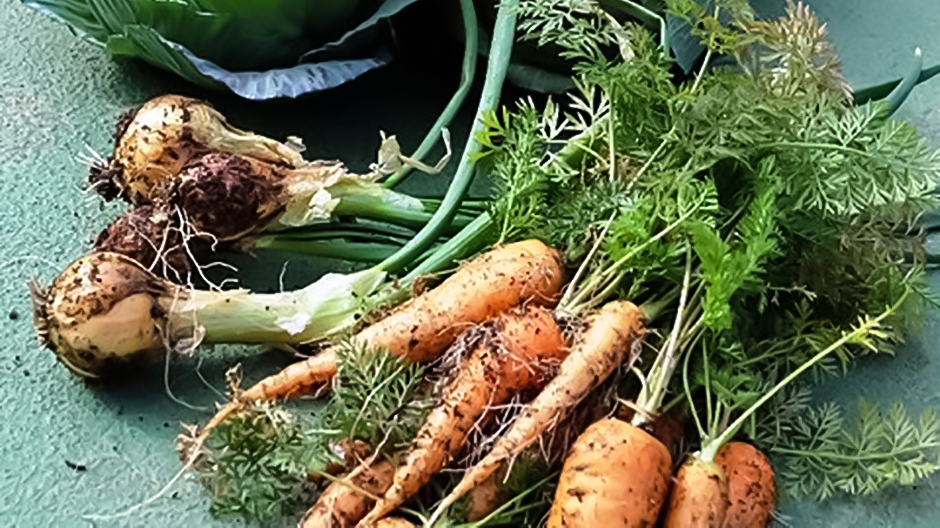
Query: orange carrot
[(527, 271), (608, 338), (422, 328), (751, 486), (699, 496), (501, 366), (617, 475), (485, 498), (342, 505)]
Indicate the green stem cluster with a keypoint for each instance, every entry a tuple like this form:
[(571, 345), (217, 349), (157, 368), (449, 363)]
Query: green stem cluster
[(471, 45), (501, 50)]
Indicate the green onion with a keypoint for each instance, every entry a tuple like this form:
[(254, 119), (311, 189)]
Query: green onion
[(106, 311)]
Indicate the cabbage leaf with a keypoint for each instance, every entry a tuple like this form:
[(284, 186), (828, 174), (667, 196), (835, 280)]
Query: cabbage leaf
[(258, 49)]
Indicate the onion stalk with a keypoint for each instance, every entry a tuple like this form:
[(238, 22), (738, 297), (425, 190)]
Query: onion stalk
[(106, 311), (218, 199)]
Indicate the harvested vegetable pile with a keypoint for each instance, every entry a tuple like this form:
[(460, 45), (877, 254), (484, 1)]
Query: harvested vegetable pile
[(660, 250)]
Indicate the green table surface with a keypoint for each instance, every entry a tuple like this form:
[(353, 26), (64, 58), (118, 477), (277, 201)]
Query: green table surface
[(59, 96)]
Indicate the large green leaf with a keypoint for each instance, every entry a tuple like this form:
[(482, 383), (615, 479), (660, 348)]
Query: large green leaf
[(259, 49), (289, 82), (386, 10), (141, 41), (77, 14), (686, 47), (225, 37), (113, 14), (145, 42)]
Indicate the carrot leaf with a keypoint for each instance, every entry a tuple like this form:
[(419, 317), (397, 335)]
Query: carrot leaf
[(823, 455), (377, 397), (255, 464)]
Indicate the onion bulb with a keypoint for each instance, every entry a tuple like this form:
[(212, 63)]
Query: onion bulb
[(229, 196), (152, 237), (154, 144), (106, 311), (222, 197)]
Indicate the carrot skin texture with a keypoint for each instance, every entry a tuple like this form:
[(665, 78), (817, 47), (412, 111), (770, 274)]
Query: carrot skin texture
[(485, 498), (421, 329), (297, 379), (340, 506), (699, 496), (608, 338), (616, 475), (751, 487), (527, 271), (496, 370)]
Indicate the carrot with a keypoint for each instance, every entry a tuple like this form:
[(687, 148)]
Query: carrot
[(751, 486), (699, 496), (499, 367), (342, 505), (617, 475), (527, 271), (484, 498), (604, 344)]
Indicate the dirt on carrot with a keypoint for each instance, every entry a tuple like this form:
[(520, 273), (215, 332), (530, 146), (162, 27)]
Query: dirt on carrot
[(522, 272), (343, 503), (607, 340), (751, 488), (512, 358), (527, 272), (698, 498), (617, 475), (424, 327)]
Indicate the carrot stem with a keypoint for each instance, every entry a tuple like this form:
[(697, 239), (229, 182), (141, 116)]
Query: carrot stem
[(711, 449), (651, 398), (577, 304), (688, 394), (572, 286), (654, 308)]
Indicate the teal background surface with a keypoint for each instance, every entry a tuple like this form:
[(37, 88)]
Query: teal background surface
[(59, 96)]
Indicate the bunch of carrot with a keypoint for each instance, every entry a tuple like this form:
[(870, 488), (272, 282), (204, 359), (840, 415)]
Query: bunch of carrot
[(708, 264)]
